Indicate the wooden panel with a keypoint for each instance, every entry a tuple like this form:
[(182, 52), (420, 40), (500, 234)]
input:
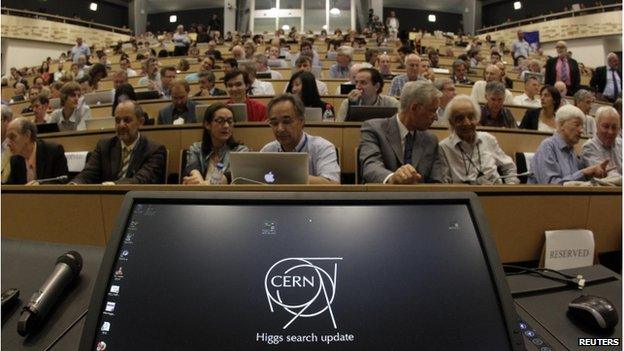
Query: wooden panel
[(604, 219), (350, 141), (111, 204), (63, 218)]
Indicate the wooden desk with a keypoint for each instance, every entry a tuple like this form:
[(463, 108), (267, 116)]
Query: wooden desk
[(517, 215)]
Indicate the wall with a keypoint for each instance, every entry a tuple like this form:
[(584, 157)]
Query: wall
[(157, 22), (20, 53), (418, 19), (107, 13), (591, 51), (500, 12)]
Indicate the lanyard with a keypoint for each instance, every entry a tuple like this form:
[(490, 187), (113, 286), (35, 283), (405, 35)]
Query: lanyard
[(305, 142), (470, 162)]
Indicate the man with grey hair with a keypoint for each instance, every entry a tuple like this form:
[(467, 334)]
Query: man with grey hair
[(287, 119), (343, 63), (459, 72), (33, 158), (400, 150), (563, 68), (207, 86), (607, 80), (7, 117), (262, 66), (563, 90), (584, 99), (555, 161), (447, 88), (258, 87), (530, 97), (493, 113), (469, 156), (606, 144), (412, 74)]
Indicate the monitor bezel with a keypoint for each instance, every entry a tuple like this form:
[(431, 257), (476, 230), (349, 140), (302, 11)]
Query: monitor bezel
[(477, 214)]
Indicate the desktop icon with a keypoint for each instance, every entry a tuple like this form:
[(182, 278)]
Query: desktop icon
[(110, 307), (114, 289), (101, 346), (105, 326)]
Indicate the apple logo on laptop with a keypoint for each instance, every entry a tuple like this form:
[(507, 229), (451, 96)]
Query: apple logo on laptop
[(269, 177)]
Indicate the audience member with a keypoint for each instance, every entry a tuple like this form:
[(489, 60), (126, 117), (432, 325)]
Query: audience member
[(40, 106), (71, 115), (492, 73), (399, 150), (447, 88), (80, 49), (583, 99), (181, 41), (493, 113), (412, 73), (543, 119), (606, 144), (182, 109), (286, 118), (59, 71), (262, 66), (128, 157), (368, 86), (303, 85), (257, 87), (305, 49), (207, 64), (563, 91), (250, 50), (7, 117), (459, 72), (469, 156), (520, 47), (218, 141), (555, 161), (304, 63), (207, 85), (383, 66), (563, 68), (434, 58), (237, 83), (343, 63), (607, 81), (122, 93), (530, 97), (38, 158), (124, 65)]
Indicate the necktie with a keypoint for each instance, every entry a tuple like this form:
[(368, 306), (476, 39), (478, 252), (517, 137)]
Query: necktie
[(125, 156), (616, 88), (409, 145), (564, 71)]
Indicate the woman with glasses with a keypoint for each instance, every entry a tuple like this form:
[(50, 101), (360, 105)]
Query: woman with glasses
[(211, 156)]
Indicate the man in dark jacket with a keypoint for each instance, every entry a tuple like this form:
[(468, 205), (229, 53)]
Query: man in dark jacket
[(563, 68), (607, 80)]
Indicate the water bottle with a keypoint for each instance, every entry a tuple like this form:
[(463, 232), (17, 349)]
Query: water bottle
[(328, 115), (217, 176)]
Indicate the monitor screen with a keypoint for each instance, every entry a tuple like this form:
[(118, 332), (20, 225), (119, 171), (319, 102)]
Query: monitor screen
[(316, 275)]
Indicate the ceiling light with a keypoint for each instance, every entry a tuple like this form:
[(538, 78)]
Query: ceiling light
[(93, 6), (286, 27), (517, 5), (173, 18), (432, 18), (334, 11)]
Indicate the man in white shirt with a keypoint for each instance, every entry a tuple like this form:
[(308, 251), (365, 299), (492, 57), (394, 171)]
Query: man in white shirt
[(492, 73), (470, 156), (258, 87), (530, 98), (583, 99), (124, 65), (262, 66), (606, 144), (71, 115)]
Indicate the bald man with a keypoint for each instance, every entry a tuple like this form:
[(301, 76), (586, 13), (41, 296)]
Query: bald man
[(563, 68), (492, 73), (607, 80)]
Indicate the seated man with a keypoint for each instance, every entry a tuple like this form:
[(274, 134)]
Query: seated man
[(128, 157), (181, 110), (470, 156), (434, 58), (207, 85), (583, 99), (353, 71), (563, 90), (459, 72), (493, 113), (367, 92), (506, 80), (343, 62), (304, 63), (71, 115), (237, 83), (33, 92), (412, 73), (447, 88), (40, 108), (555, 161), (383, 65), (258, 87), (206, 65), (32, 158), (286, 118), (606, 144), (262, 66), (492, 73), (124, 65), (530, 98), (305, 49), (399, 150)]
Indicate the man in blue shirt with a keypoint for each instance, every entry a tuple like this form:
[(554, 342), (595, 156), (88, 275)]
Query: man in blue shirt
[(80, 49), (555, 161)]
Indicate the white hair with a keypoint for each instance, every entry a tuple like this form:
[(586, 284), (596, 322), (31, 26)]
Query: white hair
[(568, 112), (345, 51), (454, 101), (420, 92), (605, 111)]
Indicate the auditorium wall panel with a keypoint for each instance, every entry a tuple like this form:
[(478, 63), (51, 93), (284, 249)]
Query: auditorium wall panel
[(160, 21), (590, 51), (414, 18), (107, 13), (22, 53)]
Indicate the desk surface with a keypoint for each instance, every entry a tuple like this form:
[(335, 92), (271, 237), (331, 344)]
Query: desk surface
[(26, 265)]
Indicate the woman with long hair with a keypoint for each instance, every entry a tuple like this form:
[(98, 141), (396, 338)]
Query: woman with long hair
[(303, 84), (543, 119), (212, 155)]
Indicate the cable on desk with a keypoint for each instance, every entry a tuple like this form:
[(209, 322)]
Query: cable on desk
[(82, 315), (576, 281)]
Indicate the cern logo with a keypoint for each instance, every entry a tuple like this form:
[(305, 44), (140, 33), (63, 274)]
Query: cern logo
[(301, 287)]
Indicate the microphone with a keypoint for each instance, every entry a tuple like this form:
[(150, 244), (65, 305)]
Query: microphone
[(62, 178), (525, 174), (67, 268)]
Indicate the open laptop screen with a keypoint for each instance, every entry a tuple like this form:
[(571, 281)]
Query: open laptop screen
[(299, 271)]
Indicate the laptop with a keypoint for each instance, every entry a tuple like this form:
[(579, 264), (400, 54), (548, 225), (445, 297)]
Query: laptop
[(269, 167), (313, 114), (364, 113), (239, 111), (200, 110), (274, 63), (361, 270), (100, 123), (47, 128), (98, 98), (147, 95), (263, 75)]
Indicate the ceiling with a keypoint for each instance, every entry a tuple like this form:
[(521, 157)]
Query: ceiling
[(156, 6)]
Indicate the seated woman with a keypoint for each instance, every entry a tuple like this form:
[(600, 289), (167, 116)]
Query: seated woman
[(543, 119), (303, 84), (217, 142)]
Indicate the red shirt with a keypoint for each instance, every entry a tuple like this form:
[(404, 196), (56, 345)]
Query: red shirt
[(256, 111)]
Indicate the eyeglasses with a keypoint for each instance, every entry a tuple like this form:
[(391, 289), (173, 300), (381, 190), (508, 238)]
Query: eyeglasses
[(222, 121), (285, 122)]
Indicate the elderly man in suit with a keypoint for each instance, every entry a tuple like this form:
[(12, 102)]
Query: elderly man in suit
[(563, 68), (181, 110), (607, 81), (399, 150), (33, 158), (128, 157)]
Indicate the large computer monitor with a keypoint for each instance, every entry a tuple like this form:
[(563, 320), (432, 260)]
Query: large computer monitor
[(310, 271)]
